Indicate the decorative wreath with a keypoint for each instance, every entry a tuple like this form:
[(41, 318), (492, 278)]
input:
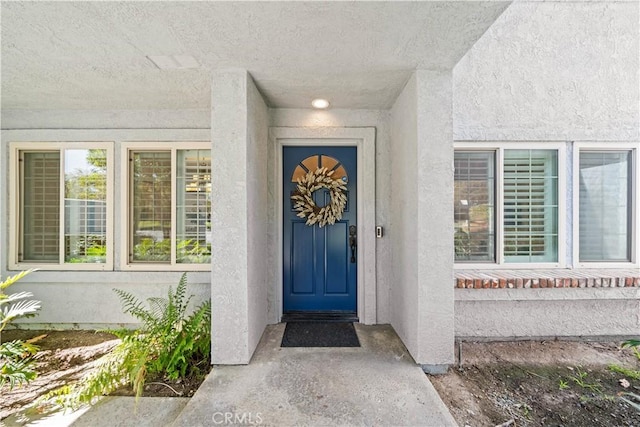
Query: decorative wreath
[(303, 198)]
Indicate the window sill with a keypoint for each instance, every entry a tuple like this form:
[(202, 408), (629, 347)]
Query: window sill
[(60, 267), (166, 267), (547, 278)]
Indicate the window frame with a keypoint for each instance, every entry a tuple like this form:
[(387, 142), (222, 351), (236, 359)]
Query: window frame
[(15, 198), (127, 193), (634, 147), (499, 148)]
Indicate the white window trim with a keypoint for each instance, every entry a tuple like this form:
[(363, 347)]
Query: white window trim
[(635, 197), (14, 205), (125, 194), (499, 148)]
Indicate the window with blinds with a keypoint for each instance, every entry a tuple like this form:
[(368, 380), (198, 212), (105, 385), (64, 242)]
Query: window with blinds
[(151, 206), (530, 205), (62, 205), (170, 206), (605, 192), (194, 206), (40, 206), (474, 207)]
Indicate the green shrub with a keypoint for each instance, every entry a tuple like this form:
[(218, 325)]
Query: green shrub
[(170, 344), (16, 357), (174, 340)]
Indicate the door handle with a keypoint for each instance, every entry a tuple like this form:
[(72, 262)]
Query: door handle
[(353, 242)]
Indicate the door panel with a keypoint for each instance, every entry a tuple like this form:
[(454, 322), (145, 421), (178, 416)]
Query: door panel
[(336, 266), (302, 254), (318, 273)]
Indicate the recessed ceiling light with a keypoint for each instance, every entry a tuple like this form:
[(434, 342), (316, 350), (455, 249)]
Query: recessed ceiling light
[(320, 103), (173, 62)]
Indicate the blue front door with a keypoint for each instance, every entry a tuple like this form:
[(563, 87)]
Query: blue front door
[(320, 271)]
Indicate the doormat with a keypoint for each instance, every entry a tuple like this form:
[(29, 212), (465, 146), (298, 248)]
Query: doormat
[(320, 334)]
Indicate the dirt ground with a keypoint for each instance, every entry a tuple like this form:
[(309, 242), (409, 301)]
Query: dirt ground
[(523, 383), (66, 356), (540, 383)]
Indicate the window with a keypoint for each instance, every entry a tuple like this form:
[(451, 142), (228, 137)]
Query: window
[(60, 205), (169, 207), (474, 209), (530, 205), (605, 205), (510, 217)]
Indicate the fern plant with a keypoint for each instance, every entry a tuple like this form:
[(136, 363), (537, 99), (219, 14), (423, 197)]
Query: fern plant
[(16, 357), (173, 338), (169, 344)]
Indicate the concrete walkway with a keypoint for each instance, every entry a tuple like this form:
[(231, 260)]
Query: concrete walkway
[(376, 384)]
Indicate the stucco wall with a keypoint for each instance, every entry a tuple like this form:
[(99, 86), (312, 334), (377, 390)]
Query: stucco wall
[(99, 119), (422, 297), (239, 121), (380, 119), (434, 218), (257, 206), (404, 212), (553, 71), (547, 313), (79, 301)]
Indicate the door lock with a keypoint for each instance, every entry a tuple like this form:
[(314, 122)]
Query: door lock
[(353, 242)]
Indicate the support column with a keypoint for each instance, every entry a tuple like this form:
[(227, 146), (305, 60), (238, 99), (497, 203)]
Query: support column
[(435, 223), (239, 126)]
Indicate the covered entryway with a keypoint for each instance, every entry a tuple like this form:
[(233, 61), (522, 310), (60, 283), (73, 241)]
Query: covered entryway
[(326, 271), (319, 259)]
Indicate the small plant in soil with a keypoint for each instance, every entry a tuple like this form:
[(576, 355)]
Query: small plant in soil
[(16, 357), (630, 373), (170, 345), (580, 378)]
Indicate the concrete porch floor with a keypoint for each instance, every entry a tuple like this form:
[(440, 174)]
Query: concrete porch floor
[(375, 384)]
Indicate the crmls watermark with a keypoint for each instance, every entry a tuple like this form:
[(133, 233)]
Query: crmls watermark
[(237, 418)]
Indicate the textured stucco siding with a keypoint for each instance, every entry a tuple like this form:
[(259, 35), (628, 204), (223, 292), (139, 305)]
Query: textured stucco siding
[(434, 170), (86, 303), (239, 120), (421, 297), (101, 119), (404, 209), (553, 71), (547, 313), (257, 205)]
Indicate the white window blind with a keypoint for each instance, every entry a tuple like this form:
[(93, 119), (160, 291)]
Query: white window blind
[(170, 207), (530, 206), (194, 206), (40, 207), (151, 206), (605, 206), (62, 206)]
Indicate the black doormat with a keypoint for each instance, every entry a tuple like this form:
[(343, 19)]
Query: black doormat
[(320, 334)]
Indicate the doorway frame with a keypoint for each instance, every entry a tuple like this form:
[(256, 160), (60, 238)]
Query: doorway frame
[(364, 141)]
